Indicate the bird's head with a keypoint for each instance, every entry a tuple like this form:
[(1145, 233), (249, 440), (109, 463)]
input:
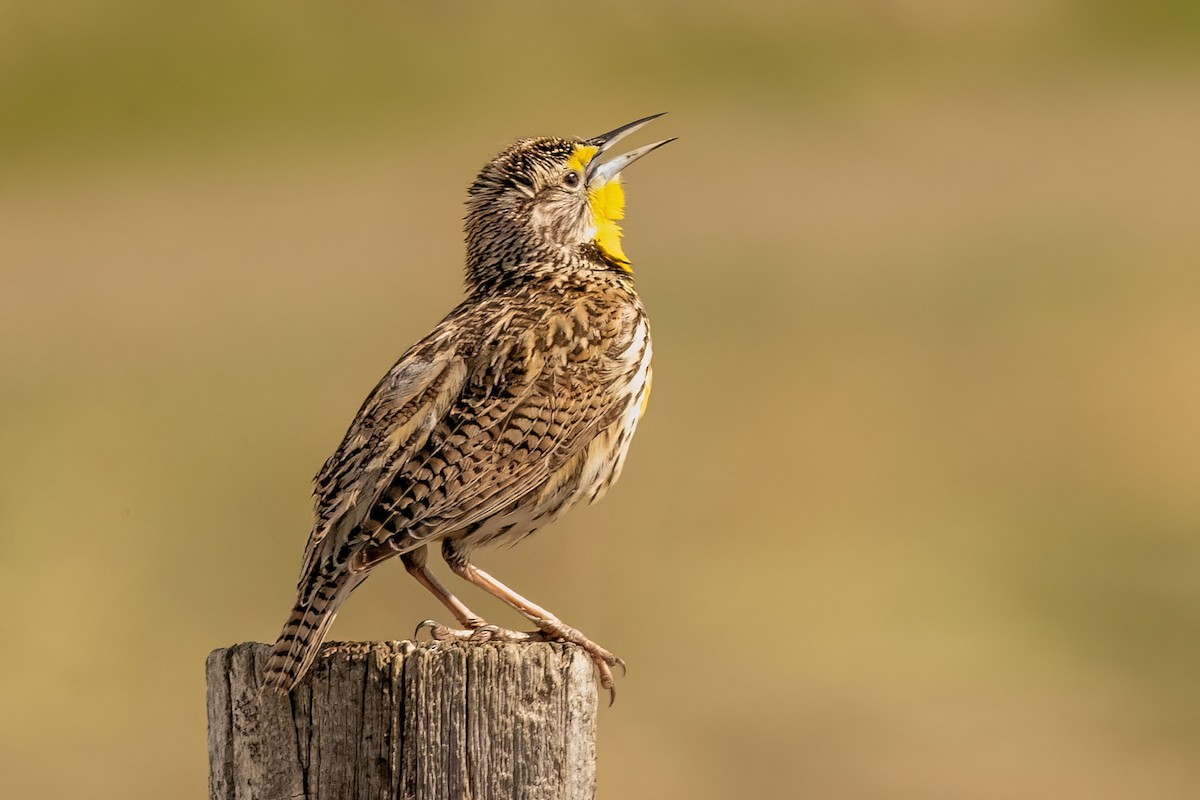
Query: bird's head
[(549, 200)]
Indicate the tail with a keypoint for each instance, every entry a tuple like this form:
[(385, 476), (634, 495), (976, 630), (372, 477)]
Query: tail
[(302, 635)]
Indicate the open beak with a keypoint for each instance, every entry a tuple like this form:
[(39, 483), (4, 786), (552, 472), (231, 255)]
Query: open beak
[(603, 173)]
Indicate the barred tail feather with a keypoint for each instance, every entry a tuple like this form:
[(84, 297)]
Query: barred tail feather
[(301, 637)]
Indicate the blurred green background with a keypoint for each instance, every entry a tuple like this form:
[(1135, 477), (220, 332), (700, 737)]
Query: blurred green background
[(914, 512)]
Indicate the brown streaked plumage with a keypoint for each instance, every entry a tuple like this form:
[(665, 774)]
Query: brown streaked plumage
[(518, 405)]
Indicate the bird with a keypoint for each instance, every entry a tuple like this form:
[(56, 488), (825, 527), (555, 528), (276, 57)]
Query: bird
[(520, 404)]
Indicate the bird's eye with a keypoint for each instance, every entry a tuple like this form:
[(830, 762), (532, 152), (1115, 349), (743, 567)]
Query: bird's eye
[(571, 180)]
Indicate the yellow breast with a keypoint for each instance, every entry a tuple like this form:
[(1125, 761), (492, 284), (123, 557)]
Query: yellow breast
[(607, 204)]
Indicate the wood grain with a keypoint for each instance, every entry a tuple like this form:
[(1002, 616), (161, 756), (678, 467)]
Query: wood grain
[(428, 721)]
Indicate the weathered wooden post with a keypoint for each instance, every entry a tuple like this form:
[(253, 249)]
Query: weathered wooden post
[(418, 721)]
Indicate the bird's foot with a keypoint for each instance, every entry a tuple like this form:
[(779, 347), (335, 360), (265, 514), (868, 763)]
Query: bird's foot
[(604, 660), (481, 632), (550, 630)]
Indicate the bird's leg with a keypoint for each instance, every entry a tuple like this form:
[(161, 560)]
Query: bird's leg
[(475, 627), (549, 626), (414, 562)]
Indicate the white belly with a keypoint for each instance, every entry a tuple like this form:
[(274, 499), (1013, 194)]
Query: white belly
[(606, 455)]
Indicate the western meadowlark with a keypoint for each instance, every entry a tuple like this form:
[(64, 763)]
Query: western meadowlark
[(518, 405)]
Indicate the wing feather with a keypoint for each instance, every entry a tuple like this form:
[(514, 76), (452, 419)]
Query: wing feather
[(458, 432), (393, 425), (507, 459)]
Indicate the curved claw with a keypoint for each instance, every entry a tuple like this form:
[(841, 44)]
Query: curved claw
[(431, 624), (620, 662), (606, 678), (484, 633)]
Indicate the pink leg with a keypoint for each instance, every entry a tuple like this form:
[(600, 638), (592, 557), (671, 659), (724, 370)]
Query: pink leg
[(414, 562), (548, 624), (475, 627)]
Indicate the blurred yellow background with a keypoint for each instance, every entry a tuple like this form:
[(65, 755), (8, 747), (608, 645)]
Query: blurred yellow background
[(914, 512)]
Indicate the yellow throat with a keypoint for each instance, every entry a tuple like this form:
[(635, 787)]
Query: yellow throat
[(607, 203)]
